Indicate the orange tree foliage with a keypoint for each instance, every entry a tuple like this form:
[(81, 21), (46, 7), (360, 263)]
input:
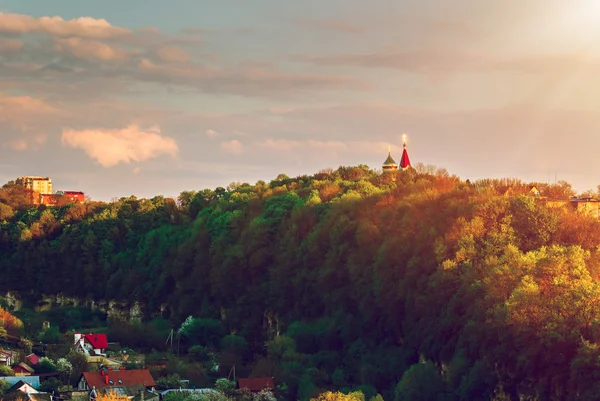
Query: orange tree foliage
[(355, 280), (111, 396), (11, 323)]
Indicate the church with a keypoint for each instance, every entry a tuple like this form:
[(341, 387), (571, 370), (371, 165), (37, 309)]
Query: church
[(390, 164)]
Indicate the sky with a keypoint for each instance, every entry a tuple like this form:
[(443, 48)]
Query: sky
[(153, 97)]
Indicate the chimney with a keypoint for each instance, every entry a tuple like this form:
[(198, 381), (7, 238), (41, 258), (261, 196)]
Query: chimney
[(106, 379)]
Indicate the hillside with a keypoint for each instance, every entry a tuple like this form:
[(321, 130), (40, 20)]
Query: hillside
[(361, 275)]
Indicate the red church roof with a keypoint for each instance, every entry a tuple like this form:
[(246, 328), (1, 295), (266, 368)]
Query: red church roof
[(127, 378), (257, 384), (404, 161), (98, 341)]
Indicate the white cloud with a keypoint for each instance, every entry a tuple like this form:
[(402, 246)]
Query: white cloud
[(83, 27), (113, 146), (233, 147)]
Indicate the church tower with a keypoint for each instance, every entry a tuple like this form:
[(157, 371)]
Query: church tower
[(404, 161), (389, 164)]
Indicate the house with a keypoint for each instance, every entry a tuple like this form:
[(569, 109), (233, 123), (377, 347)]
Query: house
[(7, 357), (22, 369), (256, 384), (33, 381), (32, 359), (91, 344), (108, 378), (23, 387)]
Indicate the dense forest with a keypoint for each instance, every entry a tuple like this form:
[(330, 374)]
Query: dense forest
[(412, 284)]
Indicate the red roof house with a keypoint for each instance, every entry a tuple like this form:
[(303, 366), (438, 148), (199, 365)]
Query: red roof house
[(98, 343), (257, 384), (22, 369), (115, 378), (32, 359)]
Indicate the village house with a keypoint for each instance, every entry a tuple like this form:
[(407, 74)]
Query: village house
[(7, 357), (33, 381), (257, 384), (126, 382), (32, 359), (22, 369), (91, 344), (23, 387)]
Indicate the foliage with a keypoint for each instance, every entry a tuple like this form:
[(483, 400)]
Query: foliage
[(6, 371), (45, 365), (50, 385), (65, 368), (225, 386), (79, 365), (111, 396), (9, 322), (346, 279), (172, 381), (332, 396)]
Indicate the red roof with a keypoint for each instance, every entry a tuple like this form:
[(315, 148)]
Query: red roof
[(405, 161), (33, 359), (257, 383), (127, 377), (98, 341)]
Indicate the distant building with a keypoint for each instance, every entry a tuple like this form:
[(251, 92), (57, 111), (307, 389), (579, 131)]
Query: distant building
[(37, 186), (257, 384), (390, 164), (42, 185), (90, 344), (140, 379), (62, 198)]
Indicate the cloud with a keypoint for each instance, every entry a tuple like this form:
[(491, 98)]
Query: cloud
[(172, 54), (211, 133), (233, 147), (89, 49), (10, 46), (110, 147), (56, 26), (22, 144)]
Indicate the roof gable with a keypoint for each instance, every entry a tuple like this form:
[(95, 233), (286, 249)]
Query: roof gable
[(98, 341), (257, 383), (127, 378), (33, 359)]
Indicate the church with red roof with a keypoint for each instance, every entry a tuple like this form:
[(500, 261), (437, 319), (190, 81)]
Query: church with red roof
[(390, 164)]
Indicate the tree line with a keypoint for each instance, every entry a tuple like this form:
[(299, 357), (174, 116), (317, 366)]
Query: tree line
[(412, 284)]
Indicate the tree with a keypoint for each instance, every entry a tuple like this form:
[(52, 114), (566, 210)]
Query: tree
[(331, 396), (45, 365), (6, 371), (65, 368), (79, 363), (421, 382)]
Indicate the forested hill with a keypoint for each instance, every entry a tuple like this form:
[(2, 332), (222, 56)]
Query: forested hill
[(497, 293)]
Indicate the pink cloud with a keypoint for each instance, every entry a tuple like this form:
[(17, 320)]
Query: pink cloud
[(172, 54), (10, 46), (83, 27), (110, 147), (89, 49), (233, 147)]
